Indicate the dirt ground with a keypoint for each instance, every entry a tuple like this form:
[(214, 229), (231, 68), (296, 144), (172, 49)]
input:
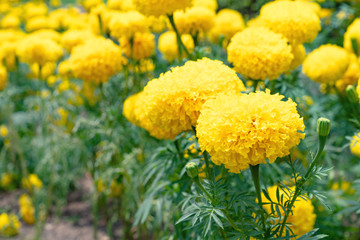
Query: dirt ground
[(75, 223)]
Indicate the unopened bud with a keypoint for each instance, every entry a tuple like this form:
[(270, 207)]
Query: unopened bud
[(323, 127), (352, 94), (192, 169)]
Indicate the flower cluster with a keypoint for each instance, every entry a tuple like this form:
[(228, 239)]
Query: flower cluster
[(27, 210)]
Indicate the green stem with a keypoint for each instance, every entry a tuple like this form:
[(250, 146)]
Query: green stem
[(322, 141), (256, 179), (207, 163), (178, 36)]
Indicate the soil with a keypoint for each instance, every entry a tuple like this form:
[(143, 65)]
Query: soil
[(75, 223)]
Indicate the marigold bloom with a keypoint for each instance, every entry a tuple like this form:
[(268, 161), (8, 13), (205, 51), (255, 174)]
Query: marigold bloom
[(296, 20), (27, 210), (3, 131), (160, 7), (96, 60), (227, 23), (351, 75), (134, 111), (238, 130), (9, 225), (169, 48), (157, 24), (194, 20), (326, 64), (47, 33), (299, 53), (259, 53), (127, 24), (37, 23), (74, 37), (174, 100), (355, 142), (143, 46), (10, 21), (3, 77), (31, 182), (302, 219), (123, 5), (33, 49), (209, 4), (6, 178), (32, 9), (352, 32)]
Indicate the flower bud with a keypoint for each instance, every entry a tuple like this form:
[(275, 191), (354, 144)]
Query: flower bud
[(352, 94), (192, 169), (323, 127)]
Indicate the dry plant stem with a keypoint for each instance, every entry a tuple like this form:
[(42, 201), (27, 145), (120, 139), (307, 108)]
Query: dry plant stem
[(322, 141), (178, 36)]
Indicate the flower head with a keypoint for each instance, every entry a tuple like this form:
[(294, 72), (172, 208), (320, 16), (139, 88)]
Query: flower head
[(34, 49), (9, 225), (127, 24), (238, 130), (209, 4), (174, 100), (143, 46), (96, 60), (326, 64), (227, 23), (194, 20), (160, 7), (259, 53), (299, 53), (75, 37), (351, 75), (352, 34), (3, 77), (296, 20), (355, 145), (302, 219), (169, 48)]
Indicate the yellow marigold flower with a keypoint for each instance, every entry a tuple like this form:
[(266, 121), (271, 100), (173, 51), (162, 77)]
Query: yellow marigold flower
[(11, 35), (8, 54), (96, 60), (238, 130), (194, 20), (3, 77), (27, 210), (294, 19), (38, 50), (3, 131), (124, 5), (37, 23), (134, 111), (299, 53), (64, 69), (351, 75), (157, 24), (259, 53), (143, 46), (89, 4), (64, 85), (6, 178), (55, 3), (10, 21), (47, 33), (127, 24), (174, 100), (345, 186), (9, 225), (46, 71), (303, 217), (32, 9), (355, 142), (227, 23), (169, 48), (75, 37), (146, 65), (160, 7), (209, 4), (32, 181), (352, 32), (326, 64)]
